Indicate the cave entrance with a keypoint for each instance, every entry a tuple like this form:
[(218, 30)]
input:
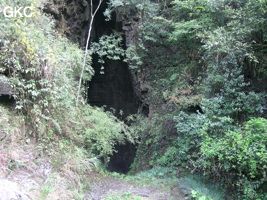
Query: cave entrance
[(111, 86), (7, 100), (121, 160)]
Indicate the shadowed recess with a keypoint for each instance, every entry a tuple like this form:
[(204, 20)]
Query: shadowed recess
[(112, 87)]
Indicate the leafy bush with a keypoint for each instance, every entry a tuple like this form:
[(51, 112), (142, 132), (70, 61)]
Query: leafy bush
[(42, 67), (101, 131), (242, 153), (185, 147), (187, 141)]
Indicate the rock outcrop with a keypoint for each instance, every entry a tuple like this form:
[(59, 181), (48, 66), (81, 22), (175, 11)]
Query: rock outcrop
[(5, 86), (71, 17), (10, 191)]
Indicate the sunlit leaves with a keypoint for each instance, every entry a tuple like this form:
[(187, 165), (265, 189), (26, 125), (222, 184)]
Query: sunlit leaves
[(109, 46)]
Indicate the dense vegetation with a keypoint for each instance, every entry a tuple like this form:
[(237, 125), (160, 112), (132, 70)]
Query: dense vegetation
[(205, 70), (203, 64), (43, 68)]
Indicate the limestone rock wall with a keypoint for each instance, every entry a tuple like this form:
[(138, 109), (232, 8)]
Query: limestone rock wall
[(71, 17)]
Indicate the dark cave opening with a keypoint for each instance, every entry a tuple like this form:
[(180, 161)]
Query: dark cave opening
[(112, 87), (7, 100), (121, 160)]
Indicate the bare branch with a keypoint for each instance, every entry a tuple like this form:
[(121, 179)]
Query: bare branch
[(86, 46)]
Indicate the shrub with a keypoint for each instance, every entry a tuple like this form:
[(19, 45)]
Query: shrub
[(242, 153), (42, 66), (187, 141), (101, 131)]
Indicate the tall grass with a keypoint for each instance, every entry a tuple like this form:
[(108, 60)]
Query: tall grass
[(198, 188)]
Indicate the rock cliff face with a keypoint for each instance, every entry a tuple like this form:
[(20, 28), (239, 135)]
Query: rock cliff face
[(111, 86), (71, 17), (113, 89), (5, 86), (117, 87), (11, 190)]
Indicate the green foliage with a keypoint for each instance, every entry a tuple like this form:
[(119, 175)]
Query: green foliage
[(229, 149), (102, 131), (201, 189), (125, 196), (186, 142), (181, 91), (198, 196), (108, 46), (43, 68), (242, 152), (207, 54), (155, 136), (4, 117), (155, 176)]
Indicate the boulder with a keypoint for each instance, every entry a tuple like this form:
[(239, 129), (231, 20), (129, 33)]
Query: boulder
[(10, 191), (5, 86)]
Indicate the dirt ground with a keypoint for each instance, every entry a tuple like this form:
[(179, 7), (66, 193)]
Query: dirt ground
[(105, 186)]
